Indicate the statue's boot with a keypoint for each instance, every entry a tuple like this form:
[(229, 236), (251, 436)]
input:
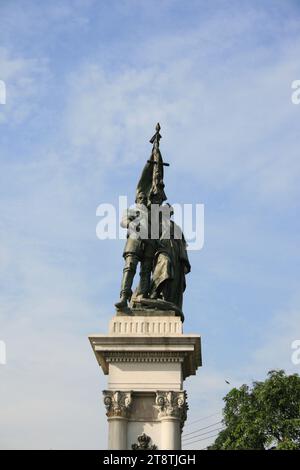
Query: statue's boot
[(123, 303), (127, 280)]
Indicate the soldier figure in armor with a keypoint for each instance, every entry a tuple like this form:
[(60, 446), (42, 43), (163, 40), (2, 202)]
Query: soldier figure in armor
[(139, 248)]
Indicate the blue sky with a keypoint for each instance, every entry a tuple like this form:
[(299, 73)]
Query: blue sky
[(86, 83)]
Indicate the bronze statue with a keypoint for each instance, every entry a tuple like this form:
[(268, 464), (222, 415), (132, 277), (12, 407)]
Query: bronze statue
[(154, 241)]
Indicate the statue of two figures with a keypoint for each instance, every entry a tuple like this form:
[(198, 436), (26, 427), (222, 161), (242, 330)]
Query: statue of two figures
[(155, 242)]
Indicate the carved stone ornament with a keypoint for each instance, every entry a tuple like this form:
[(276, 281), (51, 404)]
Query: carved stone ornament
[(144, 443), (172, 404), (117, 403)]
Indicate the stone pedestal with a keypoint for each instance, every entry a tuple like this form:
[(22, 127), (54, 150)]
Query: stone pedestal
[(146, 357)]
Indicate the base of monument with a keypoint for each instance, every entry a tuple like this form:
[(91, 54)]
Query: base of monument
[(146, 357), (151, 307)]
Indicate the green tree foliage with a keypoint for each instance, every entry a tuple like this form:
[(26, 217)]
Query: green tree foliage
[(265, 416)]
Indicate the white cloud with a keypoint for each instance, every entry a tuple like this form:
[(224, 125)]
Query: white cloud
[(226, 125), (23, 79), (275, 351)]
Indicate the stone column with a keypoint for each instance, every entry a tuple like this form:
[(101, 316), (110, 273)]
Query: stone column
[(117, 406), (172, 407)]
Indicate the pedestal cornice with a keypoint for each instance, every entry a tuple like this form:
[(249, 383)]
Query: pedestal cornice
[(130, 348)]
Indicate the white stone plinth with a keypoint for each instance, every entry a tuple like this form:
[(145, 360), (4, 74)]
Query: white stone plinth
[(146, 357)]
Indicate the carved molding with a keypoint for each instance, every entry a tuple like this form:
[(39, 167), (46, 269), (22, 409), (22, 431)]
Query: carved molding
[(144, 443), (145, 357), (172, 404), (117, 403)]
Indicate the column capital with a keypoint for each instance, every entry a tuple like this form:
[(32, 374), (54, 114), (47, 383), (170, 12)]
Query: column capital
[(117, 403), (172, 404)]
